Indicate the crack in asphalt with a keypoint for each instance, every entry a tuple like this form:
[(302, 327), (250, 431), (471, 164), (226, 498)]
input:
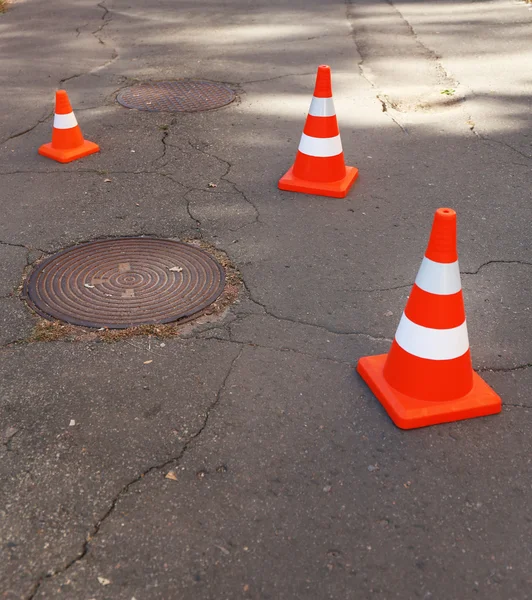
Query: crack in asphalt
[(187, 190), (9, 344), (385, 104), (257, 213), (13, 245), (446, 78), (228, 328), (103, 172), (125, 489), (301, 322), (107, 18), (389, 289), (486, 138), (9, 438), (504, 369), (238, 318), (27, 248), (20, 133), (431, 55), (165, 135), (61, 81), (280, 349), (224, 177), (277, 77), (105, 9), (189, 211), (497, 262), (92, 172), (406, 285), (79, 28)]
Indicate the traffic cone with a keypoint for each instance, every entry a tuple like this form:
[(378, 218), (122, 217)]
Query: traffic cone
[(427, 376), (67, 140), (319, 167)]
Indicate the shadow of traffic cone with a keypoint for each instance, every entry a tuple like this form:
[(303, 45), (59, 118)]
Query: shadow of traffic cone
[(67, 140), (319, 167), (427, 377)]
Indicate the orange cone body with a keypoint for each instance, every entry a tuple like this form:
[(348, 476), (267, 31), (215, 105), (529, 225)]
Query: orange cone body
[(319, 167), (427, 376), (67, 140)]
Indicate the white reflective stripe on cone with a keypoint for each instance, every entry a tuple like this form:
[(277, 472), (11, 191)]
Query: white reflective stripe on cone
[(321, 107), (313, 146), (439, 278), (65, 121), (434, 344)]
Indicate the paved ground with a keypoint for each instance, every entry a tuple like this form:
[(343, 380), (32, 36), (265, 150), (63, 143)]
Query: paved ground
[(291, 480)]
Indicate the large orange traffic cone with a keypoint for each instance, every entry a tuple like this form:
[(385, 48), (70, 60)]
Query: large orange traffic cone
[(319, 167), (67, 140), (427, 377)]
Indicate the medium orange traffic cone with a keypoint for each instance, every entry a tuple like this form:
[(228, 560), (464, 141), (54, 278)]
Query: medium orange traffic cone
[(427, 377), (319, 167), (67, 140)]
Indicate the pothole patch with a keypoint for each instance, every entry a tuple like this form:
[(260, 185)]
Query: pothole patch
[(176, 96), (125, 282)]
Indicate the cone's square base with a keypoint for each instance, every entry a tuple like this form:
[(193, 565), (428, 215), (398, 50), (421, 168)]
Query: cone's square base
[(65, 156), (409, 413), (333, 189)]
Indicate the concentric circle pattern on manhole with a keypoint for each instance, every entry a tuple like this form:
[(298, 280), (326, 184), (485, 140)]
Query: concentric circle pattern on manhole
[(125, 282), (176, 96)]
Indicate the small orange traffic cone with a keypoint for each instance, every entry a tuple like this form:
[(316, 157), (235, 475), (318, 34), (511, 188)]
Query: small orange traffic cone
[(319, 167), (67, 140), (427, 376)]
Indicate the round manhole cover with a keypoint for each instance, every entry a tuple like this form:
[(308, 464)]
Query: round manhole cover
[(176, 96), (125, 282)]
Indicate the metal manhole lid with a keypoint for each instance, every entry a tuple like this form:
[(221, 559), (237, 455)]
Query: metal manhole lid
[(176, 96), (125, 282)]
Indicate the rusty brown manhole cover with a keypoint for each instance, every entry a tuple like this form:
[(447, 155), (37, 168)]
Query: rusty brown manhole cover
[(176, 96), (125, 282)]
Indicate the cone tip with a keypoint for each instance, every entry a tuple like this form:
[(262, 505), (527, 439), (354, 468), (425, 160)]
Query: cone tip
[(323, 87), (442, 242), (446, 213), (62, 103)]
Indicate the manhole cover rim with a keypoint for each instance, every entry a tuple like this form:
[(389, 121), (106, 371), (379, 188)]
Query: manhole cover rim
[(30, 286), (153, 83)]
